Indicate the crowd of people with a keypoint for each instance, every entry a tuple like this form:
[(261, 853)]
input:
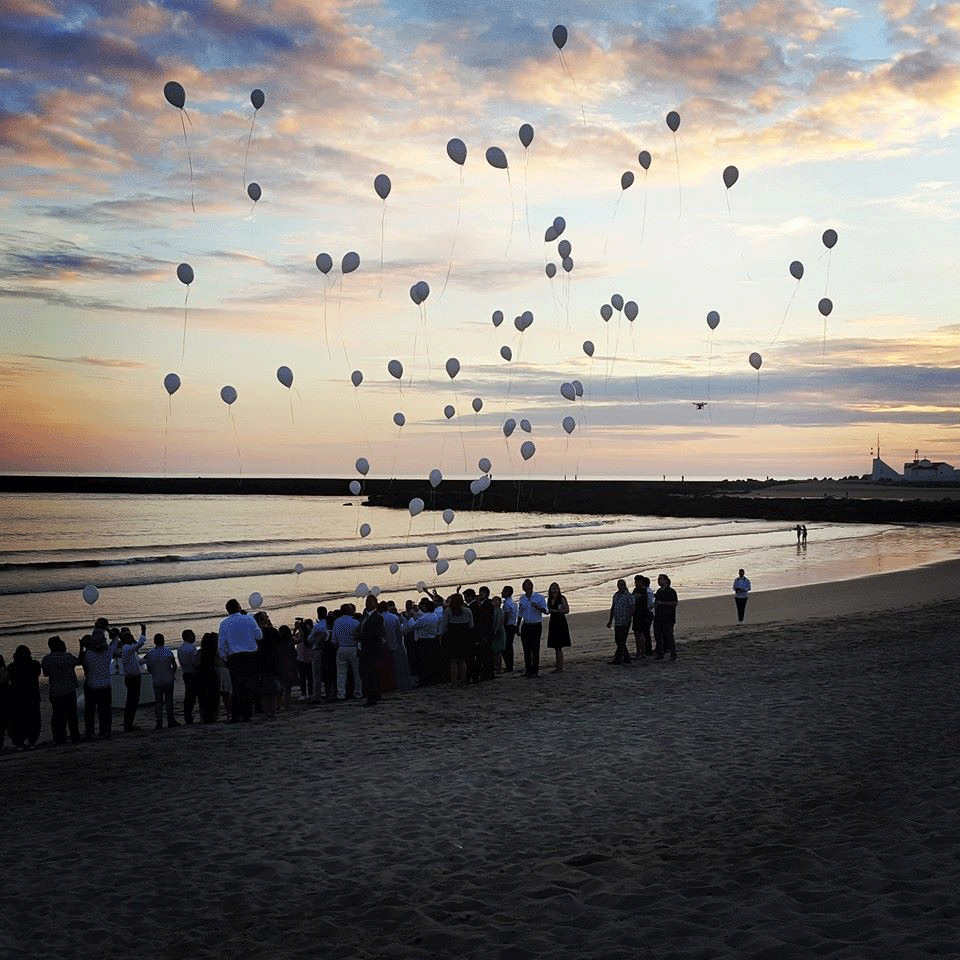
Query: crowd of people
[(249, 665)]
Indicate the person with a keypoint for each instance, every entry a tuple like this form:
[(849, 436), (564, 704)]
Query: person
[(803, 532), (558, 631), (425, 644), (23, 717), (162, 666), (287, 670), (130, 665), (319, 638), (96, 655), (741, 591), (483, 616), (187, 654), (393, 635), (664, 618), (304, 659), (642, 615), (799, 530), (456, 628), (344, 635), (60, 667), (270, 689), (4, 699), (370, 649), (531, 607), (238, 636), (510, 615), (208, 678), (621, 619), (499, 633)]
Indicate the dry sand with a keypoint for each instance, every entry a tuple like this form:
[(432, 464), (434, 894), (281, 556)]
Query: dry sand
[(789, 788)]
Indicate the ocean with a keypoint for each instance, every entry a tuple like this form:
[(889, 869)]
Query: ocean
[(173, 561)]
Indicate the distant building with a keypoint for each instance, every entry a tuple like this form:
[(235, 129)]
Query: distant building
[(918, 470), (929, 471)]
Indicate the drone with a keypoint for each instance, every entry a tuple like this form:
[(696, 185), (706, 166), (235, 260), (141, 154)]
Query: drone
[(700, 404)]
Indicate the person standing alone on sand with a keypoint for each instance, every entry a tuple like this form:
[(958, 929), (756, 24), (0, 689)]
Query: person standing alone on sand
[(665, 617), (621, 618), (741, 589)]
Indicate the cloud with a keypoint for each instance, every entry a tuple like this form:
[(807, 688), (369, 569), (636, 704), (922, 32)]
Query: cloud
[(33, 257), (109, 363)]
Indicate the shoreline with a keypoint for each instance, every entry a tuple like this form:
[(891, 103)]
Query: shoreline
[(788, 789)]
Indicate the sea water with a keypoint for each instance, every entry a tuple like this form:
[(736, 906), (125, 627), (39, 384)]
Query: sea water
[(173, 561)]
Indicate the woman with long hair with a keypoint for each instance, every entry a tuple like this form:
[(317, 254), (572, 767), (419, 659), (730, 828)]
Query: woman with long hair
[(558, 632), (456, 632)]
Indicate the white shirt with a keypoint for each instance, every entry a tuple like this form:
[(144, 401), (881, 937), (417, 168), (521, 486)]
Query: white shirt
[(509, 606), (187, 655), (531, 608), (238, 633)]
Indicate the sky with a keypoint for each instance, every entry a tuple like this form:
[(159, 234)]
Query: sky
[(837, 118)]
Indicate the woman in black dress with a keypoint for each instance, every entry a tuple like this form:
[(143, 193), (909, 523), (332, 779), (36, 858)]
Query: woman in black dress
[(558, 633), (456, 632), (24, 716)]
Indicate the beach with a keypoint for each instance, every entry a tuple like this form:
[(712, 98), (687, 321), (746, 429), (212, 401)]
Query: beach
[(788, 787)]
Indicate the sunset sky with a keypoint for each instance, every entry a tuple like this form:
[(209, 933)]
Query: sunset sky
[(839, 117)]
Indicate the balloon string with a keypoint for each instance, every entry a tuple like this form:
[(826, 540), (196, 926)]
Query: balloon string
[(676, 154), (643, 222), (613, 217), (366, 437), (513, 214), (326, 332), (785, 312), (246, 153), (576, 89), (293, 423), (456, 230), (183, 113), (237, 438), (736, 237), (526, 193), (826, 285), (383, 217), (757, 398), (166, 429), (633, 351), (183, 345)]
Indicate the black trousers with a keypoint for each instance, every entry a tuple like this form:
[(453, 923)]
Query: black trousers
[(305, 672), (511, 631), (191, 687), (741, 603), (245, 676), (530, 641), (133, 684), (642, 638), (64, 716), (621, 631), (663, 635), (98, 703)]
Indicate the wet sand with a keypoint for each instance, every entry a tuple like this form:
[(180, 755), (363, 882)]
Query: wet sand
[(788, 787)]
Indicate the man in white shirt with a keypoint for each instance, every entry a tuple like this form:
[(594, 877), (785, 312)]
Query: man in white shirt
[(238, 636), (531, 607), (344, 633), (187, 654), (741, 590), (509, 626), (162, 666), (132, 679)]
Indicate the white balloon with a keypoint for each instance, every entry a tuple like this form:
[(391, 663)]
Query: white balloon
[(525, 426), (448, 516), (365, 529), (395, 369), (713, 319), (374, 591), (355, 487), (442, 567), (569, 424), (506, 353), (475, 487), (356, 378), (362, 465), (527, 449), (567, 391), (509, 425), (350, 262), (616, 301), (362, 589), (496, 158), (415, 506), (449, 411), (298, 568), (399, 419), (171, 383), (452, 367), (630, 310), (606, 311), (477, 404), (432, 552), (484, 464), (228, 395), (588, 347), (285, 376), (756, 361), (483, 483), (435, 477), (470, 555), (497, 317), (394, 567), (578, 386), (91, 594), (254, 600)]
